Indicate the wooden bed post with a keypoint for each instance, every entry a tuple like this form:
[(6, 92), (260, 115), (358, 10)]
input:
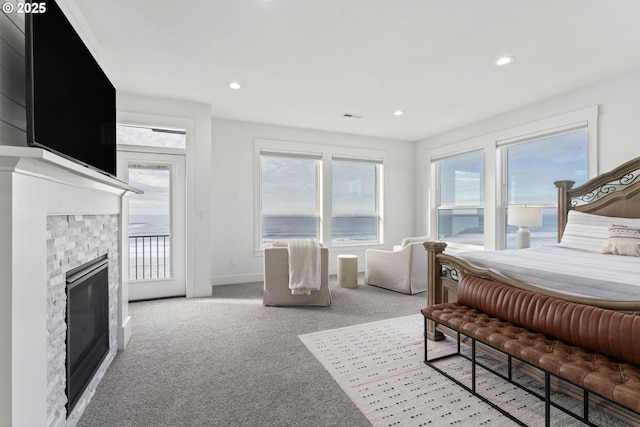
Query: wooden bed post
[(563, 204), (434, 284)]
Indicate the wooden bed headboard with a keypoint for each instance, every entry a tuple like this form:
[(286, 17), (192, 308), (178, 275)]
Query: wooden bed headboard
[(614, 193)]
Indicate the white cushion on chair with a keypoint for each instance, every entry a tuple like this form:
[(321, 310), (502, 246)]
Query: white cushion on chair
[(403, 270)]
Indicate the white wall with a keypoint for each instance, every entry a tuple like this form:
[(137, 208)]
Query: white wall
[(619, 108), (233, 193)]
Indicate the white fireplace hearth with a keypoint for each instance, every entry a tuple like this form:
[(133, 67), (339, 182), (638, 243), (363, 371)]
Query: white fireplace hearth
[(54, 216)]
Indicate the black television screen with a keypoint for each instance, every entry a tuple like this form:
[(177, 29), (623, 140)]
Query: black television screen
[(71, 104)]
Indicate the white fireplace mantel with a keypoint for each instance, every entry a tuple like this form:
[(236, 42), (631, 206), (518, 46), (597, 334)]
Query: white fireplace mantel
[(53, 168), (34, 184)]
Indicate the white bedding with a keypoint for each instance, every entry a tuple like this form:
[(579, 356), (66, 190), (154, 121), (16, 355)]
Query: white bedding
[(567, 270)]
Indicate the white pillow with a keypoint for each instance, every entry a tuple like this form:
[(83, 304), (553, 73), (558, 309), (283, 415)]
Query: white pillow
[(590, 232), (623, 240)]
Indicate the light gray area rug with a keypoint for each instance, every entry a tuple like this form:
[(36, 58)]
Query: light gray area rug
[(380, 366)]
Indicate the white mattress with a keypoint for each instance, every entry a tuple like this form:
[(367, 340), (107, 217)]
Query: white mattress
[(566, 270)]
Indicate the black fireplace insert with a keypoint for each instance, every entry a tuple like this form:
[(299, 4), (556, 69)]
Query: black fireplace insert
[(87, 325)]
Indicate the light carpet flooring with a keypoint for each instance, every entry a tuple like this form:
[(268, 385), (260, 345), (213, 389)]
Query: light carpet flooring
[(229, 361)]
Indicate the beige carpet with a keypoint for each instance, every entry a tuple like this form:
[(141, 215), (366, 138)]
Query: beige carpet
[(380, 367)]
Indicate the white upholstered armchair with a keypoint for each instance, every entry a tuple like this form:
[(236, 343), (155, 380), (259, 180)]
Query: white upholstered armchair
[(403, 270)]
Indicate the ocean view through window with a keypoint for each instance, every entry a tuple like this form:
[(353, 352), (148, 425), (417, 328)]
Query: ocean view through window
[(355, 201), (465, 228), (353, 229), (150, 220), (150, 223), (289, 197), (308, 191), (531, 169), (474, 181), (461, 199)]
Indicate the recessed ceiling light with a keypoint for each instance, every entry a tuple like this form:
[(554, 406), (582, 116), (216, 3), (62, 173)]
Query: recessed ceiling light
[(505, 60), (398, 113), (235, 85)]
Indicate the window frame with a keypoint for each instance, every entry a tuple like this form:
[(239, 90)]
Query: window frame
[(495, 166), (438, 194), (156, 121), (317, 158), (326, 153), (503, 147), (379, 170)]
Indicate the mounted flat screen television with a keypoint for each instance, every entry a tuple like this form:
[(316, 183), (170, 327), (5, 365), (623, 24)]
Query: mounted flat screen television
[(71, 104)]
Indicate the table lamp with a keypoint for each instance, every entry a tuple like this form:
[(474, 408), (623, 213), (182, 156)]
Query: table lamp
[(524, 217)]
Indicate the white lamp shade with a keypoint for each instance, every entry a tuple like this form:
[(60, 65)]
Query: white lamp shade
[(525, 216)]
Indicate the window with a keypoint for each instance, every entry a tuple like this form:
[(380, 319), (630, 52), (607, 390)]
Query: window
[(153, 247), (289, 197), (475, 181), (325, 192), (355, 201), (531, 169), (461, 199), (150, 222), (151, 137)]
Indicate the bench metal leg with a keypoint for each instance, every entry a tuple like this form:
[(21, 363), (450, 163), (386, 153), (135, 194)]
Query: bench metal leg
[(425, 339), (472, 389), (473, 364), (547, 399), (426, 343), (585, 403)]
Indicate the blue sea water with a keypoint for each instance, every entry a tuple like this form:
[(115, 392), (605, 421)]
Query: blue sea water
[(454, 228), (149, 225), (295, 227), (357, 228)]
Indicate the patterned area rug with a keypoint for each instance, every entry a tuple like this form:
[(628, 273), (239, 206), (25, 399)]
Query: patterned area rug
[(380, 367)]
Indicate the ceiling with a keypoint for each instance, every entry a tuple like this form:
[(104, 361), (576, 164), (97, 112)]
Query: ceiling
[(305, 63)]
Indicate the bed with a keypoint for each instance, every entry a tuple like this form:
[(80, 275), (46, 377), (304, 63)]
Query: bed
[(575, 269)]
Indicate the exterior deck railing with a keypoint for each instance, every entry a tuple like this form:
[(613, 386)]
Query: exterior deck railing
[(149, 257)]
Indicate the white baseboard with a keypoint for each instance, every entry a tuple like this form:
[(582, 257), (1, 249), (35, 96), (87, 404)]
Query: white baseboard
[(235, 279)]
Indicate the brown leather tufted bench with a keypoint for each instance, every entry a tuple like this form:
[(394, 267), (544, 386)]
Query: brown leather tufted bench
[(590, 347)]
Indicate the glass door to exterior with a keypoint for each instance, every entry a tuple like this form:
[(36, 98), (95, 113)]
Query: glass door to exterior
[(156, 249)]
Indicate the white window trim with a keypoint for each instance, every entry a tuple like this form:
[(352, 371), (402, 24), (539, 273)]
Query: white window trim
[(379, 179), (501, 149), (436, 195), (326, 152), (126, 118), (495, 200), (317, 158)]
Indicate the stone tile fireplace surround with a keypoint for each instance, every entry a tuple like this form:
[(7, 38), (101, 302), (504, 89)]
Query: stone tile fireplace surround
[(54, 216), (73, 240)]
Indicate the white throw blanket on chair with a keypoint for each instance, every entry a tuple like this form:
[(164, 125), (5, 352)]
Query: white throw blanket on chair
[(304, 266)]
